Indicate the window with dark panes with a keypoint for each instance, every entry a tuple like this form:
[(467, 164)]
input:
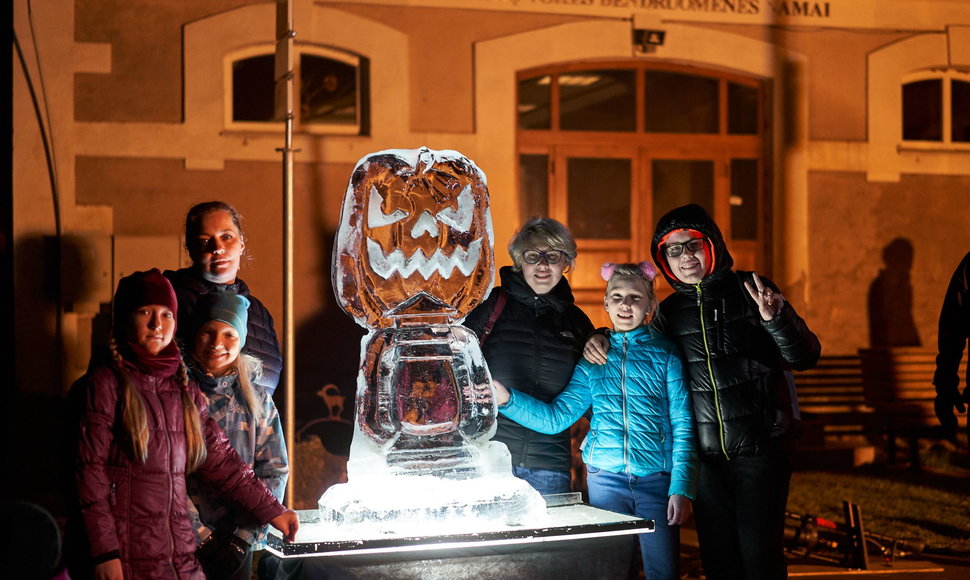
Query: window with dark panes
[(534, 106), (923, 110), (332, 92), (328, 91), (680, 103), (744, 199), (678, 182), (534, 186), (742, 109), (597, 100), (253, 89), (960, 111), (598, 194)]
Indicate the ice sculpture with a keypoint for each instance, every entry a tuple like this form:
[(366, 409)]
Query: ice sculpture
[(413, 257)]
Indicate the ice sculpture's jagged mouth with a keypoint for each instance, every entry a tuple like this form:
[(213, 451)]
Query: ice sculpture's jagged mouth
[(384, 265)]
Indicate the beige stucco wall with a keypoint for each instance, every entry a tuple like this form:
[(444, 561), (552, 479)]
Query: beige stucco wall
[(852, 221), (137, 139)]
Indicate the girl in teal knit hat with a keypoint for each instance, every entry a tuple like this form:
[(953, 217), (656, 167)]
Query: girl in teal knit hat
[(248, 416)]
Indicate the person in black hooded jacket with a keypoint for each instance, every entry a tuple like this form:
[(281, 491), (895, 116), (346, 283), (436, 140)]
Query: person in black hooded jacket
[(954, 330), (215, 242), (534, 343), (741, 340)]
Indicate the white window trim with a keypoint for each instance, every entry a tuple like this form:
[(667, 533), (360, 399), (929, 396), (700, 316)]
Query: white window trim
[(203, 141), (946, 143), (889, 156), (276, 127)]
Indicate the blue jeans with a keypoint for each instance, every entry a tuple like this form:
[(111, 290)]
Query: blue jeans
[(645, 497), (546, 481)]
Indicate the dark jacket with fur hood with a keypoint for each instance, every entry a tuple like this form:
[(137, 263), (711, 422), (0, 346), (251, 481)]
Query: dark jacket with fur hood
[(737, 362)]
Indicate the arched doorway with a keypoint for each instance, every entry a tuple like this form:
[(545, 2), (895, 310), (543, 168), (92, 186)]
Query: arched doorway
[(609, 147)]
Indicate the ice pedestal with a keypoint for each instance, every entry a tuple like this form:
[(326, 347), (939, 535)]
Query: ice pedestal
[(434, 505), (381, 499), (571, 541)]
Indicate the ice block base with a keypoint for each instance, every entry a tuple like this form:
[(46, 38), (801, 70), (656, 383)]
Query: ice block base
[(574, 541)]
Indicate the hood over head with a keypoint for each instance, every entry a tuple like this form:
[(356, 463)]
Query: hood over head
[(691, 217)]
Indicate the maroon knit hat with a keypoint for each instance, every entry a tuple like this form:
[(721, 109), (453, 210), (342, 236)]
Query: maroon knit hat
[(142, 289)]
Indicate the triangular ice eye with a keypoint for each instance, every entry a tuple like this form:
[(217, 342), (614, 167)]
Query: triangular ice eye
[(424, 225), (461, 218), (376, 216)]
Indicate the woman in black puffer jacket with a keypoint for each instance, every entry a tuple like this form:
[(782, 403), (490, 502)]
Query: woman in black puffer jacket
[(215, 242), (534, 344)]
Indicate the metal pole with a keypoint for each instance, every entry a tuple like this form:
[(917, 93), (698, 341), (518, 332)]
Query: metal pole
[(284, 109)]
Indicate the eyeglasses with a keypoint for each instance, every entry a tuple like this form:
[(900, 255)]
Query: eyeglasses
[(694, 245), (550, 256)]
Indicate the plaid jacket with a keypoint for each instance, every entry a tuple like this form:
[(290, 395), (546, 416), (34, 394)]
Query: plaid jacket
[(259, 443)]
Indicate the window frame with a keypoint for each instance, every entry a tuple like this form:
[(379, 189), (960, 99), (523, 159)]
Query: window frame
[(356, 129), (644, 147), (946, 78)]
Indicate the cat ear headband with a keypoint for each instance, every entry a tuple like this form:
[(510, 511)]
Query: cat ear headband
[(646, 268)]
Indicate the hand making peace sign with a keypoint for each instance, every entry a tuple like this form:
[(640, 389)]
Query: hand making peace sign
[(769, 302)]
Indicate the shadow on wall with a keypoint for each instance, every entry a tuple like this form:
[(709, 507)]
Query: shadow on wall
[(890, 301), (327, 360)]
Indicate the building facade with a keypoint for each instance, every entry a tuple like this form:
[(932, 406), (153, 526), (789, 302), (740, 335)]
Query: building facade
[(831, 140)]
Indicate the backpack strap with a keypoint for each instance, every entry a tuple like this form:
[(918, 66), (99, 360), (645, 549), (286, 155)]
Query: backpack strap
[(500, 301)]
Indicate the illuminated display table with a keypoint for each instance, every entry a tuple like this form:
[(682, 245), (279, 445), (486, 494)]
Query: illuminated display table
[(575, 541)]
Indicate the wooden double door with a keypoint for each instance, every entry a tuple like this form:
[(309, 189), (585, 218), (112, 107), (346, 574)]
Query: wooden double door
[(595, 154)]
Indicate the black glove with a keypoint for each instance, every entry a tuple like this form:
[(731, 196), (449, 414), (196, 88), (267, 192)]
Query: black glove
[(222, 555), (944, 405)]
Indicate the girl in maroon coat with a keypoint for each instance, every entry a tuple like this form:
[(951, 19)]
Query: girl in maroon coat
[(143, 427)]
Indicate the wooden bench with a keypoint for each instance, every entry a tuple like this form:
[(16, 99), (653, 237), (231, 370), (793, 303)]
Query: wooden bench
[(835, 417), (898, 385), (833, 387)]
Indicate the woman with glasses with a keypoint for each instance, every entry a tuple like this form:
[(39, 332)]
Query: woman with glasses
[(532, 335)]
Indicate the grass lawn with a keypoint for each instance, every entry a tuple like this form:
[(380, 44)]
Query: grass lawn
[(932, 504)]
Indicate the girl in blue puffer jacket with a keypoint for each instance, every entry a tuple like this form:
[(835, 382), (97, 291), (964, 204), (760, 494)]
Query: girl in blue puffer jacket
[(639, 452)]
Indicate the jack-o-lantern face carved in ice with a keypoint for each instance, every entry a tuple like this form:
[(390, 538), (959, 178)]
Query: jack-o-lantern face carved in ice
[(415, 238)]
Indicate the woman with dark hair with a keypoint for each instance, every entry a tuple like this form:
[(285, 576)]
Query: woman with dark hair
[(216, 243)]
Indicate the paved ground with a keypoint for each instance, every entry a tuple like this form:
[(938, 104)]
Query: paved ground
[(921, 568)]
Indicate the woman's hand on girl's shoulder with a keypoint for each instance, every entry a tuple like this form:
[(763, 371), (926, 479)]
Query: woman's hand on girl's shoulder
[(596, 348)]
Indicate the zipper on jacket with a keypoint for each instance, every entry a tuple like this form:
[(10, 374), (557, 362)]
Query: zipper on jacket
[(537, 363), (719, 326), (710, 373), (663, 450), (626, 426)]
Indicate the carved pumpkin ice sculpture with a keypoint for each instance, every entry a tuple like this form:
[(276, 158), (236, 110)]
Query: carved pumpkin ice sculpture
[(413, 257)]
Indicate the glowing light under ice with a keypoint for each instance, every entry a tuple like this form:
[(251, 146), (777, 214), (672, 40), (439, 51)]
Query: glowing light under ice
[(428, 505)]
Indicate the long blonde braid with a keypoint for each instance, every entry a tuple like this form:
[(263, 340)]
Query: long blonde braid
[(249, 368), (195, 448), (133, 416)]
